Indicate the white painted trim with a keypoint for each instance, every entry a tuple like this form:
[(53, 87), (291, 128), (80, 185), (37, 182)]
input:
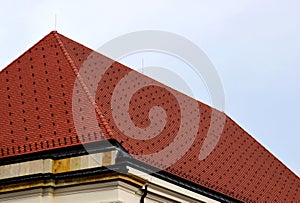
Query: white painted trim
[(168, 190)]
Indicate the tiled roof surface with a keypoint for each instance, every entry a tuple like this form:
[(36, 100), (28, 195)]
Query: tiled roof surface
[(36, 115)]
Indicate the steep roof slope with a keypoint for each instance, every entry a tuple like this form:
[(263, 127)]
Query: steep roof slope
[(36, 92), (37, 102)]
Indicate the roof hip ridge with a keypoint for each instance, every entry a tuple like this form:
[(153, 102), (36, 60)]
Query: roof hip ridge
[(83, 85)]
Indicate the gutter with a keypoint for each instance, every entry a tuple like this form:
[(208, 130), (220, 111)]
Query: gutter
[(144, 193)]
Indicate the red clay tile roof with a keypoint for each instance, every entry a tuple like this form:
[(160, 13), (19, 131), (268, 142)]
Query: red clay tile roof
[(36, 115)]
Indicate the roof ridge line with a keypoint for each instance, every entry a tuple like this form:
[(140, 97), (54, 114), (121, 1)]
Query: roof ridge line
[(86, 90), (261, 145)]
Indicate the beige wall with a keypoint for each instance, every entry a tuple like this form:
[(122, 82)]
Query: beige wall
[(110, 188), (109, 192)]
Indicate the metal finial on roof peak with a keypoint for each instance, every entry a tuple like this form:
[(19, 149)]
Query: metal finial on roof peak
[(55, 19)]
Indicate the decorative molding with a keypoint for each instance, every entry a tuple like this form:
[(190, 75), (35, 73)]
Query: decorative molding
[(73, 167), (45, 166)]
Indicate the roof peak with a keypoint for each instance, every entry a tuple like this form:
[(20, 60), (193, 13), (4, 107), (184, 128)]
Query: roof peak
[(53, 32)]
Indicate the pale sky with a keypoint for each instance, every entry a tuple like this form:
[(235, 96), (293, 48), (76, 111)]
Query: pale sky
[(253, 44)]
